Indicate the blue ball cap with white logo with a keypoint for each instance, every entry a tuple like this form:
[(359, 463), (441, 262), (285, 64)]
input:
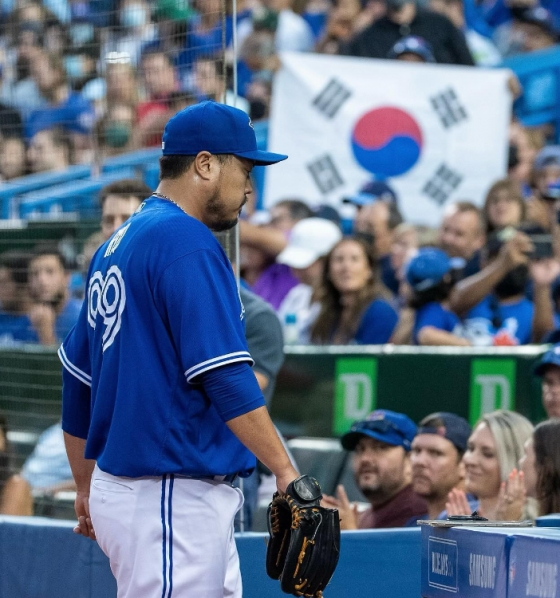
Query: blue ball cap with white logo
[(215, 128), (428, 267), (390, 427), (371, 192), (413, 44)]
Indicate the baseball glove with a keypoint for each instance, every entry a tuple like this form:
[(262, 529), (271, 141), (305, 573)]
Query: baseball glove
[(304, 543)]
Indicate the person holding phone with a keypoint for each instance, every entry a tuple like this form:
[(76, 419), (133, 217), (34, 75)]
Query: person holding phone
[(496, 310)]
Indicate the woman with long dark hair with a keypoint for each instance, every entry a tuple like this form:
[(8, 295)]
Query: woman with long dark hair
[(541, 465), (354, 302), (504, 206)]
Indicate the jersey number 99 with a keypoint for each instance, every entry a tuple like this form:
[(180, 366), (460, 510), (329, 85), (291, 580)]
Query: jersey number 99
[(106, 303)]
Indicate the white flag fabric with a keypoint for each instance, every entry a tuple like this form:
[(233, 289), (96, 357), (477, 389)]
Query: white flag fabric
[(435, 133)]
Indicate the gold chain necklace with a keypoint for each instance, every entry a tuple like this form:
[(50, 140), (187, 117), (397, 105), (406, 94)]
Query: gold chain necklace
[(162, 196)]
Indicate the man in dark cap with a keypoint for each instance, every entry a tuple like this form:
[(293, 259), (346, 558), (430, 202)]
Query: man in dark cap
[(404, 18), (436, 459), (548, 369)]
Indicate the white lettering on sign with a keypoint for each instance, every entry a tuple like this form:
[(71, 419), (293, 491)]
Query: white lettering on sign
[(482, 570), (541, 579), (358, 395)]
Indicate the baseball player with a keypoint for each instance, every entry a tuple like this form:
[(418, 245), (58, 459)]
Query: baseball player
[(161, 410)]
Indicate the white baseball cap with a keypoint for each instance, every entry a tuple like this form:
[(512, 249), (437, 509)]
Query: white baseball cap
[(310, 239)]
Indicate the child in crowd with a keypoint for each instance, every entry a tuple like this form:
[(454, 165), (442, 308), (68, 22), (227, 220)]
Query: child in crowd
[(430, 277)]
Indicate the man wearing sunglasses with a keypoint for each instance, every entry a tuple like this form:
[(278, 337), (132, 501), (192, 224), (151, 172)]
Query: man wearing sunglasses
[(380, 446)]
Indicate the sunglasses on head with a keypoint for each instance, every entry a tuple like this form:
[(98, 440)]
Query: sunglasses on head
[(377, 425), (382, 426)]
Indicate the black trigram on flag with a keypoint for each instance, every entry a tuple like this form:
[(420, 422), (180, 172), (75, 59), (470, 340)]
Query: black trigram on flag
[(325, 174), (330, 100), (442, 184), (449, 108)]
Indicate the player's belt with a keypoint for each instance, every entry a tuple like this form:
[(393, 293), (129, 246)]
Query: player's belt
[(224, 478), (230, 478)]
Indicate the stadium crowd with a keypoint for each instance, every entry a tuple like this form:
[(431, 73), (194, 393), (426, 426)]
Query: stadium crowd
[(82, 81)]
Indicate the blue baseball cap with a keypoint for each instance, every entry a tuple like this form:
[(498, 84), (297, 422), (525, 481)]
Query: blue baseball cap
[(551, 357), (215, 128), (370, 192), (454, 428), (413, 44), (386, 426), (428, 267)]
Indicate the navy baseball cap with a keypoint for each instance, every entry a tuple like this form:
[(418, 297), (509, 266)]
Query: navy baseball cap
[(370, 192), (551, 357), (454, 427), (537, 15), (428, 267), (413, 44), (215, 128), (548, 156), (386, 426)]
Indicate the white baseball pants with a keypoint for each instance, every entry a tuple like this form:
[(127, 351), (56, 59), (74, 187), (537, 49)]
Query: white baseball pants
[(167, 537)]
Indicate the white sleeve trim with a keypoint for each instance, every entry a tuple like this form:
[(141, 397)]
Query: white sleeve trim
[(215, 362), (76, 372)]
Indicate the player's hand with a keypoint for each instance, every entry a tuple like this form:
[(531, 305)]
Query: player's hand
[(457, 503), (81, 506), (347, 510), (511, 498)]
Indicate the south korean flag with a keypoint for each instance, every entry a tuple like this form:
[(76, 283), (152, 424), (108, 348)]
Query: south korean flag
[(435, 133)]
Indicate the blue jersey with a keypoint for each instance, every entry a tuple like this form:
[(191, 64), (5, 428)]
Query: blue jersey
[(435, 315), (377, 324), (161, 309), (16, 329), (75, 114), (491, 323)]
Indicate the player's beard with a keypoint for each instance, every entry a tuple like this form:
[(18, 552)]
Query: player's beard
[(216, 218), (381, 488)]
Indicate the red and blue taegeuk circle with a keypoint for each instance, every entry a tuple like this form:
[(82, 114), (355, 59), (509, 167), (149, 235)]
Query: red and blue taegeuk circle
[(387, 142)]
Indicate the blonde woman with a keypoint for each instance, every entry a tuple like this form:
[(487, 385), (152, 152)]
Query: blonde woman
[(493, 452)]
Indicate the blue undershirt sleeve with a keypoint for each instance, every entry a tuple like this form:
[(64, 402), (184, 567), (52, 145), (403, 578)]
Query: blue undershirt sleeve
[(233, 389), (76, 405)]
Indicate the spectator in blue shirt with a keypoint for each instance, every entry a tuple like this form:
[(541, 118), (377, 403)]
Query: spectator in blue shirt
[(505, 316), (430, 275), (64, 107), (54, 312), (354, 302), (15, 326)]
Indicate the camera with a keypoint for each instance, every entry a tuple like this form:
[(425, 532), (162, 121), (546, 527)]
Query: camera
[(541, 240)]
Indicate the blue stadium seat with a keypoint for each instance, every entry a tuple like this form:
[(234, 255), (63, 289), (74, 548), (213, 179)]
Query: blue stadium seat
[(140, 159), (34, 182)]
